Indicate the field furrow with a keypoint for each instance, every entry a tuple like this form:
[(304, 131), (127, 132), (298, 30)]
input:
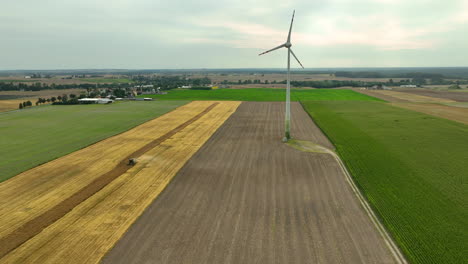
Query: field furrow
[(246, 197)]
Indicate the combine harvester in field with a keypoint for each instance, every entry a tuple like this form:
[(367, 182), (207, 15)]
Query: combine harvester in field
[(287, 44)]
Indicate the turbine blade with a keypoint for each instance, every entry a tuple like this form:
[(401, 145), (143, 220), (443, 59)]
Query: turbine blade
[(280, 46), (296, 58), (290, 27)]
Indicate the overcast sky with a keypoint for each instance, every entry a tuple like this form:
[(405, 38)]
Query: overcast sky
[(154, 34)]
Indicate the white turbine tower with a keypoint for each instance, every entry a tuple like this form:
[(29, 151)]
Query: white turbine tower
[(287, 121)]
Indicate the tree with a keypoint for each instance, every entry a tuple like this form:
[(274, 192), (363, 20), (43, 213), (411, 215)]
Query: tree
[(37, 103), (59, 98), (64, 98), (119, 93), (53, 99), (24, 104), (28, 103), (20, 106), (72, 96)]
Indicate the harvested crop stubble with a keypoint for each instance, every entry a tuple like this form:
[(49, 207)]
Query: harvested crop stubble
[(92, 219), (13, 104), (454, 113), (459, 96), (411, 97)]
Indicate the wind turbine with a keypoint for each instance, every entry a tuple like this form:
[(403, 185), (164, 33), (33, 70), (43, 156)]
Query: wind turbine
[(287, 44)]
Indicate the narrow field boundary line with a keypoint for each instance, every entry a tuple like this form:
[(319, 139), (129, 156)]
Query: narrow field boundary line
[(37, 224), (394, 249)]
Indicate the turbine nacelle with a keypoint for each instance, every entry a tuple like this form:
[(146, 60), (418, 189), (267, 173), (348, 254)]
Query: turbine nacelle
[(288, 43)]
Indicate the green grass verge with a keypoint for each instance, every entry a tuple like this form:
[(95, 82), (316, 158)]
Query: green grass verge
[(36, 135), (411, 167), (262, 94)]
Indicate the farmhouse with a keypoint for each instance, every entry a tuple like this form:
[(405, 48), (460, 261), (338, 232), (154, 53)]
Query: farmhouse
[(95, 101), (379, 87)]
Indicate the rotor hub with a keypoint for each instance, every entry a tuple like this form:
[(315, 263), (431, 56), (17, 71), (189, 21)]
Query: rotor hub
[(288, 44)]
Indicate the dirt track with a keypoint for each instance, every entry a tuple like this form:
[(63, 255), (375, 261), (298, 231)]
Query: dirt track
[(245, 197)]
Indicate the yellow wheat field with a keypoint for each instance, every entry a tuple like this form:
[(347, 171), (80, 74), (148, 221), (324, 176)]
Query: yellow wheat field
[(413, 97), (8, 105), (39, 189), (92, 228)]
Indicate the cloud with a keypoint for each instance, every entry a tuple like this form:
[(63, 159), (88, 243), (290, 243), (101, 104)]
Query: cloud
[(326, 30), (378, 31)]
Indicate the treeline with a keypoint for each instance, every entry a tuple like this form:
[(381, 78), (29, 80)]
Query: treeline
[(70, 99), (248, 82), (165, 82), (25, 104), (335, 83), (417, 77), (371, 74), (332, 84), (170, 82), (12, 86)]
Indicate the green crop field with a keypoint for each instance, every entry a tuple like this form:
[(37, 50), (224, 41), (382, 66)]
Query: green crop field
[(36, 135), (411, 167), (262, 94)]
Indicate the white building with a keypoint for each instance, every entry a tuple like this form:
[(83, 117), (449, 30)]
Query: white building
[(95, 100)]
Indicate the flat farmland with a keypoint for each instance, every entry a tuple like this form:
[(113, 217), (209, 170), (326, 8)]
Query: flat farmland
[(296, 76), (41, 93), (407, 97), (411, 167), (10, 100), (93, 218), (11, 104), (459, 96), (36, 135), (459, 114), (262, 94), (245, 197), (432, 105)]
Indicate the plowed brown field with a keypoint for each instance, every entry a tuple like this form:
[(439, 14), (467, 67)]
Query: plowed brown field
[(245, 197), (99, 218)]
